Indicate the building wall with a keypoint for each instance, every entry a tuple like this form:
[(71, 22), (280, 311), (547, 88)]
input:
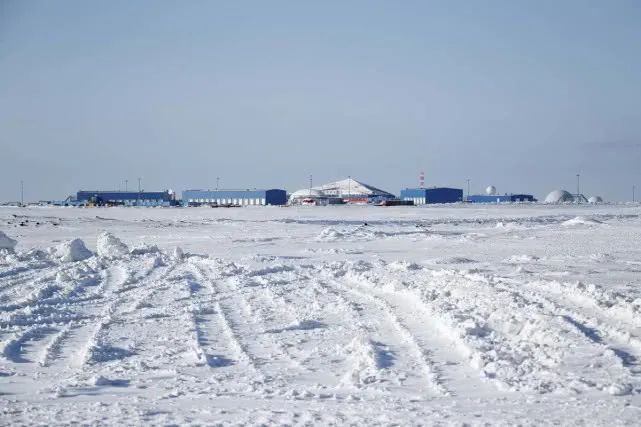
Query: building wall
[(506, 198), (422, 196), (236, 197), (129, 198)]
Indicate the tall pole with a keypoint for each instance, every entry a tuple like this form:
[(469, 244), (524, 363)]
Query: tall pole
[(310, 185), (578, 188), (138, 191), (349, 187), (126, 184), (22, 192), (633, 188), (217, 181), (468, 189)]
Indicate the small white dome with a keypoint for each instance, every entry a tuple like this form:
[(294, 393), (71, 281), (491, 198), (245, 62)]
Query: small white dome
[(491, 190), (559, 196), (595, 199)]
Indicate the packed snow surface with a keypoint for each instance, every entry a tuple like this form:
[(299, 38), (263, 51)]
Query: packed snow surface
[(525, 314)]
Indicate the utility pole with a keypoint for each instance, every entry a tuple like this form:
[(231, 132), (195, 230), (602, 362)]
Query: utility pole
[(633, 188), (468, 189), (217, 181), (21, 193), (138, 191), (310, 185), (126, 184), (578, 188)]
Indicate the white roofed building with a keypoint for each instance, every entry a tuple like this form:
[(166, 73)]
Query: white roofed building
[(353, 191), (344, 191)]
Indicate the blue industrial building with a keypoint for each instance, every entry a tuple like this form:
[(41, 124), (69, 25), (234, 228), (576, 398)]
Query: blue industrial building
[(234, 197), (496, 198), (126, 198), (422, 196)]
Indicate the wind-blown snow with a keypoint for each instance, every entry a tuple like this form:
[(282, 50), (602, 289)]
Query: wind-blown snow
[(336, 315)]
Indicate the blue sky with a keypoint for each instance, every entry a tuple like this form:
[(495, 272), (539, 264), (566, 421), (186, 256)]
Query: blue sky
[(522, 95)]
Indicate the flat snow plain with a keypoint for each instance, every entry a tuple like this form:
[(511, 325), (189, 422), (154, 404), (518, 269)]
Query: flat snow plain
[(263, 315)]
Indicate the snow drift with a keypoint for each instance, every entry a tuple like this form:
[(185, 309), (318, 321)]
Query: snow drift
[(109, 246), (73, 250)]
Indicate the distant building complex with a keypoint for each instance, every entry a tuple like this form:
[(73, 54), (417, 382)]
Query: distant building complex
[(343, 191), (234, 197), (423, 196), (125, 198)]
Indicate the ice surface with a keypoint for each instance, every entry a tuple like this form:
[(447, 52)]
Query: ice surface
[(525, 314)]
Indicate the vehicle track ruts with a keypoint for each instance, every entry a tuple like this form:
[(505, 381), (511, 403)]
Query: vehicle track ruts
[(408, 343)]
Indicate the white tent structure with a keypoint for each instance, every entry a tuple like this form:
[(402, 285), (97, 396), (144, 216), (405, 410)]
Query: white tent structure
[(349, 190), (352, 189), (559, 196)]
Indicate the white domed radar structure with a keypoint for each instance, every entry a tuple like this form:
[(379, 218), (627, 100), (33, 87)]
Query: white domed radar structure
[(595, 199), (490, 190), (559, 196)]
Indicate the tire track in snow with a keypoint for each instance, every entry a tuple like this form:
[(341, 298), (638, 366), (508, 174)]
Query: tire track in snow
[(430, 370), (16, 347), (557, 349), (225, 319), (390, 336), (614, 342), (116, 313), (453, 369)]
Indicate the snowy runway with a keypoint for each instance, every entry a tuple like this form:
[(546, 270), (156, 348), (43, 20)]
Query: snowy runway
[(515, 314)]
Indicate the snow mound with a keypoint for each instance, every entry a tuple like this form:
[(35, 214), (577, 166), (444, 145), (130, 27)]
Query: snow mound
[(330, 234), (595, 199), (580, 220), (559, 196), (109, 246), (7, 242), (145, 249), (71, 251), (100, 381), (518, 259)]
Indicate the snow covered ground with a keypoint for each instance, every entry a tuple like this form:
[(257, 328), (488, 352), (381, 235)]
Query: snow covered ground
[(321, 315)]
